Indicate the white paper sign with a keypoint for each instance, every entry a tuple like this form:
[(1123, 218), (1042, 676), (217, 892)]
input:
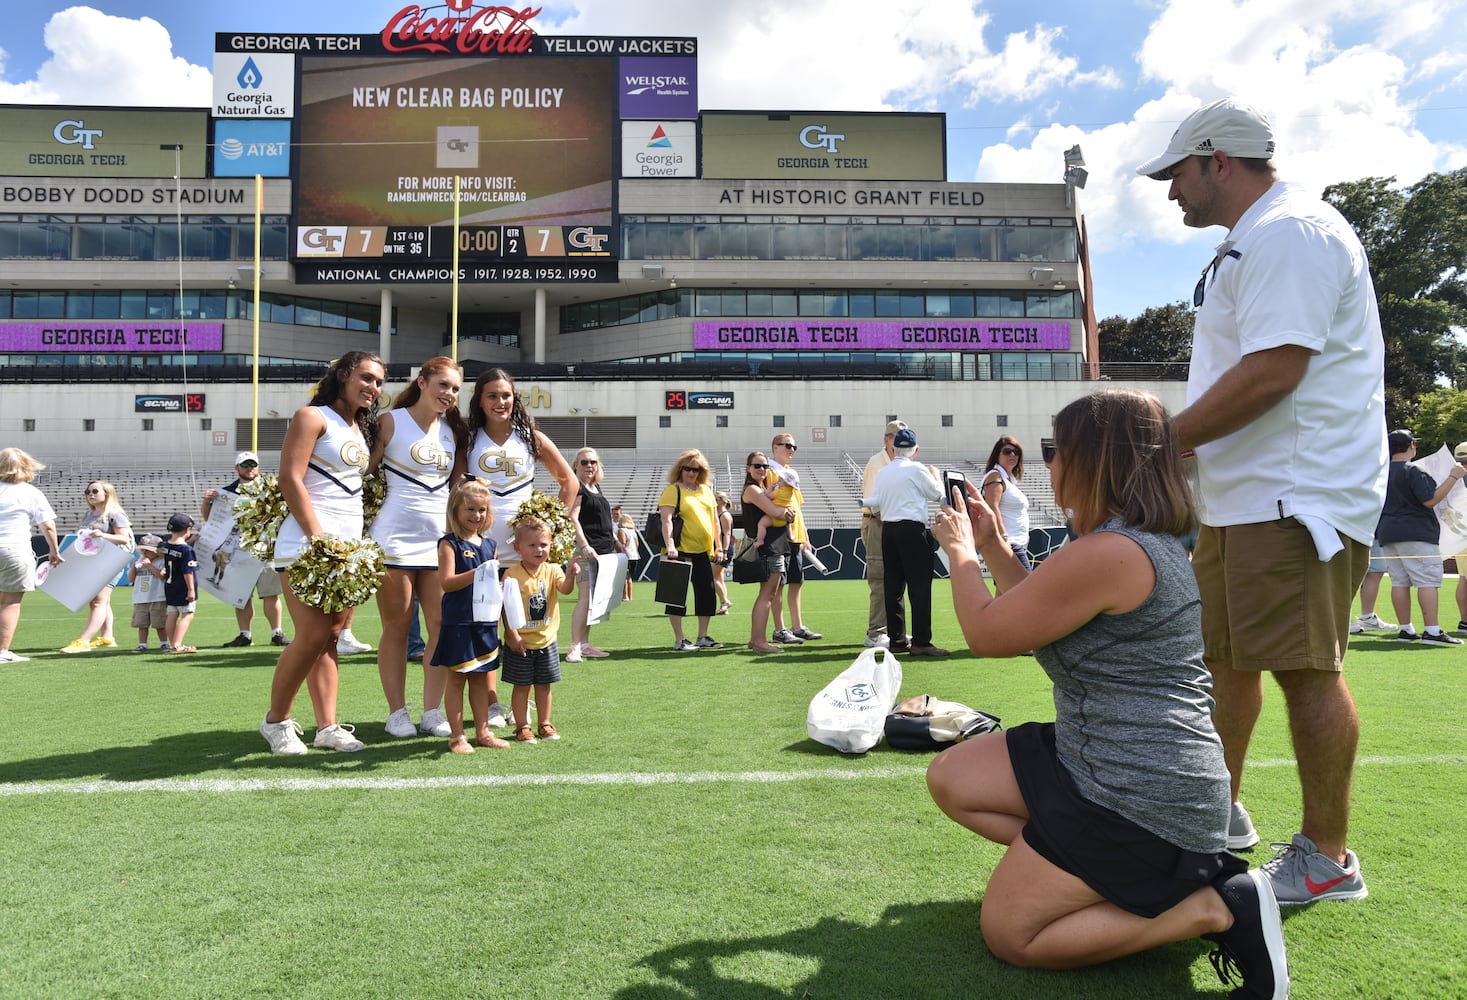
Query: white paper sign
[(90, 565), (608, 580), (488, 595), (226, 572), (514, 604), (1452, 511)]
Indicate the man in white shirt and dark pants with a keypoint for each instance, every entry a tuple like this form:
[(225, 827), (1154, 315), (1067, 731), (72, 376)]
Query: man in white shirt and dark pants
[(871, 542), (900, 496)]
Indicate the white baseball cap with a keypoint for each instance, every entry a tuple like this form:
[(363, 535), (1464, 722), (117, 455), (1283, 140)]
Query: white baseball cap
[(246, 456), (1225, 126)]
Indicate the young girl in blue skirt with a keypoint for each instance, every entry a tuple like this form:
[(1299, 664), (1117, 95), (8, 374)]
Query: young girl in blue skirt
[(468, 649)]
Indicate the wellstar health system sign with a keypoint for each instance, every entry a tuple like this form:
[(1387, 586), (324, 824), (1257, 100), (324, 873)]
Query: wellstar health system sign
[(882, 335)]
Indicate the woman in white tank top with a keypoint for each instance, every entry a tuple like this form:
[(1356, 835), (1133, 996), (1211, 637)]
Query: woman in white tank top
[(321, 466), (504, 447), (504, 450), (418, 441)]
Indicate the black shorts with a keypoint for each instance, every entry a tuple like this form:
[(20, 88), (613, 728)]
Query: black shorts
[(534, 666), (1125, 863)]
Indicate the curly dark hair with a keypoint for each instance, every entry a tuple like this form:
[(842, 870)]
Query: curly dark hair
[(328, 390), (519, 418)]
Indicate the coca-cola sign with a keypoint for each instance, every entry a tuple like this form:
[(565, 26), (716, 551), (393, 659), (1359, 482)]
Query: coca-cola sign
[(463, 30)]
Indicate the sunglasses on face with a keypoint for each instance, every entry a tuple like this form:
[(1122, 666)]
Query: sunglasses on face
[(786, 444), (1047, 451), (695, 468), (249, 465), (757, 465), (590, 461), (1012, 451), (94, 492)]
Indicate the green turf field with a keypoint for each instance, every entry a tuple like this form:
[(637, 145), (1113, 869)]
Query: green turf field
[(684, 840)]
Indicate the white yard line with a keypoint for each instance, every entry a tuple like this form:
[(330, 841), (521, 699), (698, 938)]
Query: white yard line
[(315, 784)]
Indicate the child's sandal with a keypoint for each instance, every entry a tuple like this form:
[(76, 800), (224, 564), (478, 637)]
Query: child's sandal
[(490, 741), (524, 734), (459, 744)]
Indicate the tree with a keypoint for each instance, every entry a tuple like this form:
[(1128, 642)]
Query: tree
[(1440, 420), (1160, 334), (1417, 242)]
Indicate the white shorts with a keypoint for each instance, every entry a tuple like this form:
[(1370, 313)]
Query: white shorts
[(290, 540)]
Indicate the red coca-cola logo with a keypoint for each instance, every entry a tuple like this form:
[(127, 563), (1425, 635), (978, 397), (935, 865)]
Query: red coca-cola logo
[(496, 30)]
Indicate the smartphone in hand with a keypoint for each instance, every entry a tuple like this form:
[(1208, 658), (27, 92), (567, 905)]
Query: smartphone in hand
[(954, 489)]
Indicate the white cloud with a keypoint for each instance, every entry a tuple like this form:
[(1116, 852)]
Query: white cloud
[(100, 59), (865, 55), (1340, 113)]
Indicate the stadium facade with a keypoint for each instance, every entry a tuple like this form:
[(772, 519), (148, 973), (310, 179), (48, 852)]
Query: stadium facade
[(656, 275)]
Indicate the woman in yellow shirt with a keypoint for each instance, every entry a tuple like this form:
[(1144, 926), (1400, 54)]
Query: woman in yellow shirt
[(689, 496)]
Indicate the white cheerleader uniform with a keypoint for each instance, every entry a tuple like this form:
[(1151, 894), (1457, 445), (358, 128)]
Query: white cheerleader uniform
[(509, 472), (333, 481), (417, 464)]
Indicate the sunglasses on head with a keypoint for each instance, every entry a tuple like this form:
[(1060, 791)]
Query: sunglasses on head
[(1010, 450)]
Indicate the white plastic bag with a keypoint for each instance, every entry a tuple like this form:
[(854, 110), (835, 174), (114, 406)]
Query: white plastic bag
[(850, 712)]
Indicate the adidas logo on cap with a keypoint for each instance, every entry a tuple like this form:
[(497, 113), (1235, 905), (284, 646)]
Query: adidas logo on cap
[(1205, 146)]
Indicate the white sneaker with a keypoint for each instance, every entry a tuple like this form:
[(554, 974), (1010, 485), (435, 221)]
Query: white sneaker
[(347, 644), (882, 641), (573, 655), (338, 737), (9, 657), (434, 723), (400, 724), (498, 716), (1370, 623), (284, 737), (1241, 834)]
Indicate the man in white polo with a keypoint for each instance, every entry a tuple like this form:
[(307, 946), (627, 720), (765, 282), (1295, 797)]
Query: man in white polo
[(1286, 411), (871, 542)]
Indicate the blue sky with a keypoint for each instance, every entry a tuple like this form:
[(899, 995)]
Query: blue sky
[(1356, 88)]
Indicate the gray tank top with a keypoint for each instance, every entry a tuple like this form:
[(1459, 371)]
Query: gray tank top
[(1133, 707)]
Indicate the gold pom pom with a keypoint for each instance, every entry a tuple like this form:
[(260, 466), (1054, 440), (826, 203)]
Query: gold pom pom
[(259, 511), (549, 509), (374, 494), (333, 574)]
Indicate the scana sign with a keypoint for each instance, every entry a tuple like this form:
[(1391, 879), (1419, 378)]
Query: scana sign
[(466, 31)]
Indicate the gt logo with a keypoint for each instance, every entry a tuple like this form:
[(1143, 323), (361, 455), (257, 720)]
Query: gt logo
[(321, 241), (815, 137), (76, 133), (586, 238)]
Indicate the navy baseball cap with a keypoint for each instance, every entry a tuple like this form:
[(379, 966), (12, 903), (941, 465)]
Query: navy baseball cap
[(905, 438)]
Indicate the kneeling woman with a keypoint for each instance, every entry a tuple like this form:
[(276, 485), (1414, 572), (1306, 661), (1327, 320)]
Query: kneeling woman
[(1115, 815)]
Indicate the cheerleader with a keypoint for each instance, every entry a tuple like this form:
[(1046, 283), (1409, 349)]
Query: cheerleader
[(322, 462), (417, 443)]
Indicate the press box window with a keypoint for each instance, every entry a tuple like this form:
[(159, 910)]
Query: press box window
[(947, 420), (147, 423), (27, 424), (720, 421), (664, 421), (89, 425), (779, 421), (834, 421)]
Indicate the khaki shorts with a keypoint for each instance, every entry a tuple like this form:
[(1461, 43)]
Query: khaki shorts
[(1414, 564), (153, 614), (268, 585), (1268, 603)]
